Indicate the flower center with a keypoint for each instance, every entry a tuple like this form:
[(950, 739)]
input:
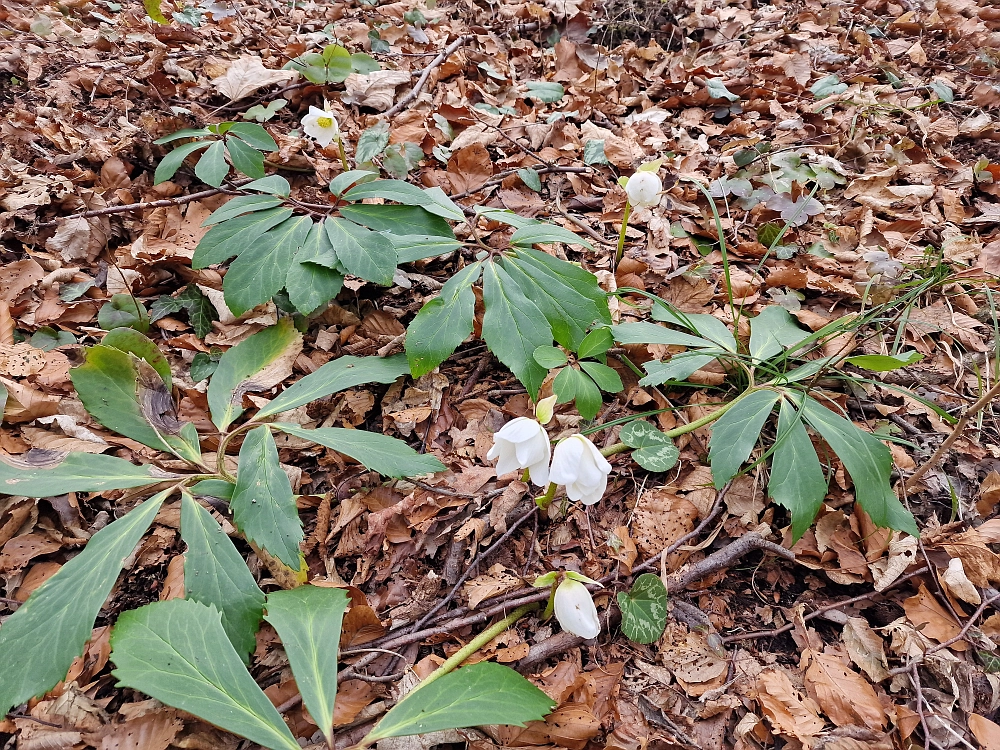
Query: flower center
[(324, 122)]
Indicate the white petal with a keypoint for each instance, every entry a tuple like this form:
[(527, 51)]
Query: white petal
[(595, 493), (539, 473), (518, 430), (575, 609), (599, 460), (316, 112), (565, 460), (508, 459)]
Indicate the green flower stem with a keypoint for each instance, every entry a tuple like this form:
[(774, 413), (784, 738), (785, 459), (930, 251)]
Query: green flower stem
[(544, 500), (621, 234), (475, 644), (343, 154)]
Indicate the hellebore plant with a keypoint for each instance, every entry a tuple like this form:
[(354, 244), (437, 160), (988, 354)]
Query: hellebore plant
[(643, 190), (579, 466), (522, 443), (571, 601)]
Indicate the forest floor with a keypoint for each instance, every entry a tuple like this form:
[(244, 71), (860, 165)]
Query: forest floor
[(857, 638)]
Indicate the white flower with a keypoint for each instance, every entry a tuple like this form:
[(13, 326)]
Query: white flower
[(321, 125), (578, 464), (575, 608), (522, 443), (643, 189)]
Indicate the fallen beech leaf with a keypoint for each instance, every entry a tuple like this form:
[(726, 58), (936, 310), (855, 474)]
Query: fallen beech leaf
[(866, 648), (987, 733), (789, 711), (844, 695), (247, 75), (931, 619), (376, 90), (955, 580)]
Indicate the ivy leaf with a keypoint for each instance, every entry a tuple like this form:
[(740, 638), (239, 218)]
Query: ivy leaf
[(64, 608), (388, 456), (308, 620), (869, 463), (735, 434), (797, 482), (215, 573), (513, 327), (177, 652), (593, 152), (371, 142), (260, 270), (644, 608), (443, 323), (263, 504), (653, 450), (484, 693)]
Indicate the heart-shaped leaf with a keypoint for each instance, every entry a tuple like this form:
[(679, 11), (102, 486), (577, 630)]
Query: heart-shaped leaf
[(644, 609), (653, 450)]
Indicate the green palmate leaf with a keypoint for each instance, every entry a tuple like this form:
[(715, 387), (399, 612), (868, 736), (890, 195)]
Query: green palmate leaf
[(596, 343), (246, 159), (260, 270), (588, 395), (237, 367), (883, 363), (107, 383), (177, 652), (549, 357), (232, 237), (366, 254), (644, 608), (272, 185), (398, 219), (506, 216), (42, 473), (263, 504), (869, 463), (122, 311), (343, 372), (606, 378), (310, 285), (184, 133), (170, 163), (214, 488), (735, 434), (443, 323), (654, 450), (308, 620), (47, 338), (773, 331), (129, 340), (485, 693), (567, 295), (514, 327), (411, 247), (215, 573), (545, 233), (386, 455), (564, 385), (242, 204), (797, 481), (678, 367), (436, 202), (255, 135), (706, 326), (212, 167), (650, 333), (64, 608)]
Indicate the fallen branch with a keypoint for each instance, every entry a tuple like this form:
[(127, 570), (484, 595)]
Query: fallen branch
[(967, 415), (412, 94)]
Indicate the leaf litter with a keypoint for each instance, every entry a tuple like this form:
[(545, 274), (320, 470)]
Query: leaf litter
[(860, 638)]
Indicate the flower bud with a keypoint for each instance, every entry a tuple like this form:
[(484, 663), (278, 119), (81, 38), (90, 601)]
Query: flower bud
[(643, 189), (575, 609), (544, 409)]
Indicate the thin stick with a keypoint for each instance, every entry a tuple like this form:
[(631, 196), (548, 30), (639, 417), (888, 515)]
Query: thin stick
[(422, 81), (967, 415)]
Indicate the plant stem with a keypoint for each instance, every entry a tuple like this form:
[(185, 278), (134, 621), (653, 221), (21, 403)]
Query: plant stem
[(475, 644), (544, 500), (621, 234), (343, 154)]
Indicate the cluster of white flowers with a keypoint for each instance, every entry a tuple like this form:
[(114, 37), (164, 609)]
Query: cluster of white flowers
[(523, 443), (577, 464)]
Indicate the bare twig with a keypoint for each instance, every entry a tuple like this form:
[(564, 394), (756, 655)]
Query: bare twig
[(507, 173), (967, 415), (422, 81)]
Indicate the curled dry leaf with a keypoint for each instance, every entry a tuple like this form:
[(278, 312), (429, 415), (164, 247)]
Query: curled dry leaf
[(866, 648), (246, 76), (958, 584), (843, 695), (932, 619), (789, 711)]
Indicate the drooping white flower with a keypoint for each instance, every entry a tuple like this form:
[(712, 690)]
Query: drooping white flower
[(643, 189), (522, 443), (321, 124), (578, 464), (574, 607)]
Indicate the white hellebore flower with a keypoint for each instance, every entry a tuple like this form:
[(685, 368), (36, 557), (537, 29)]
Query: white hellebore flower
[(578, 464), (575, 608), (321, 125), (643, 189), (522, 443)]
